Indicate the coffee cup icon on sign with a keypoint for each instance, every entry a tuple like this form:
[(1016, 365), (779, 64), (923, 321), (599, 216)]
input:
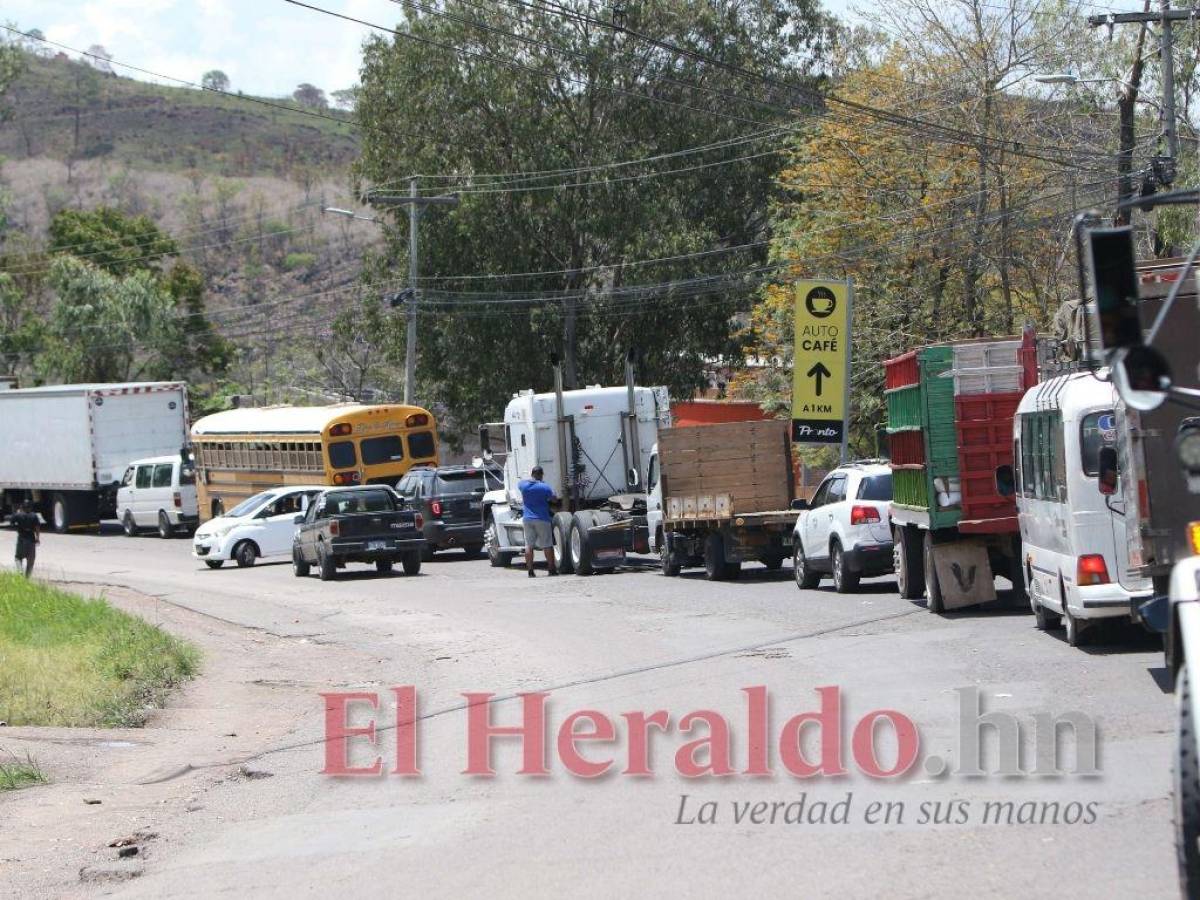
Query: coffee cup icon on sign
[(820, 302)]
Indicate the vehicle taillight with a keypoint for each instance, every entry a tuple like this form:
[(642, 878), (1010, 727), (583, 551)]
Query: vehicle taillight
[(347, 478), (340, 429), (1194, 537), (861, 515), (435, 507), (419, 520), (334, 528), (416, 420), (178, 498), (1092, 570)]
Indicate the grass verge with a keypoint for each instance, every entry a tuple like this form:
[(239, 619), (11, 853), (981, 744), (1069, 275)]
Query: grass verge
[(20, 773), (67, 660)]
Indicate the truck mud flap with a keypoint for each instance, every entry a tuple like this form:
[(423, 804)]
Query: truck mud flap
[(964, 574), (608, 547)]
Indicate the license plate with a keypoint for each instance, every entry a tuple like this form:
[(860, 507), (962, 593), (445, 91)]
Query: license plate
[(377, 545)]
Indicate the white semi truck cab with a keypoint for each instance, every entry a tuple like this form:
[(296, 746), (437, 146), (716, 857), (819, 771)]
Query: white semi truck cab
[(594, 448)]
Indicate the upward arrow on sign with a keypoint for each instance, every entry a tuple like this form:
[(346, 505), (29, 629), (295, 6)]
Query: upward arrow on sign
[(819, 372)]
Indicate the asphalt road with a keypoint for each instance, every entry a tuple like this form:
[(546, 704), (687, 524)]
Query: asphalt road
[(628, 642)]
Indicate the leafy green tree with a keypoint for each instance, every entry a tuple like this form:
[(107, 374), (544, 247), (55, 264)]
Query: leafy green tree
[(20, 326), (105, 327), (200, 350), (110, 240), (543, 91), (215, 80)]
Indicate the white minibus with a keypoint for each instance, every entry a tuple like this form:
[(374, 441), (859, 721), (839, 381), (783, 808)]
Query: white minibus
[(1074, 549)]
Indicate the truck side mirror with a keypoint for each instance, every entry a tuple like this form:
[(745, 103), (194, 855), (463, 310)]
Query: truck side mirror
[(1106, 467), (799, 504), (1142, 377), (1006, 482), (485, 441), (633, 477)]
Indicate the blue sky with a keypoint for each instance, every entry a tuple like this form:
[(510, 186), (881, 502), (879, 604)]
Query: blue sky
[(265, 46)]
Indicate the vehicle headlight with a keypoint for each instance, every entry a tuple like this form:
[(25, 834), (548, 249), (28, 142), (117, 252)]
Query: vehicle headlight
[(221, 530)]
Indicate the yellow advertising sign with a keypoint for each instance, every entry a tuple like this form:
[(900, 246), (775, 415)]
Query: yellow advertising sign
[(821, 362)]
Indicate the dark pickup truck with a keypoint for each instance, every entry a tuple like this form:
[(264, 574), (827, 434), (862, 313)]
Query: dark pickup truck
[(369, 524)]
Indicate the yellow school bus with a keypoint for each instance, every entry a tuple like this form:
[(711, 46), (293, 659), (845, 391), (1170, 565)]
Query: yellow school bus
[(241, 452)]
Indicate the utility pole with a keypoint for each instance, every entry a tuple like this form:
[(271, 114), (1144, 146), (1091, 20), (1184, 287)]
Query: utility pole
[(410, 338), (1168, 80), (1127, 108), (416, 205), (1166, 17)]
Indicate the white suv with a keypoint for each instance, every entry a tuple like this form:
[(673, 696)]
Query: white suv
[(845, 530)]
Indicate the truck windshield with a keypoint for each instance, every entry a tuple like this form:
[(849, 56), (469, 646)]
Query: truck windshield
[(1098, 429), (350, 502), (465, 482), (876, 487)]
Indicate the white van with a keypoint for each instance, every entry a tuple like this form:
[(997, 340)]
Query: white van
[(1075, 553), (158, 493), (260, 527)]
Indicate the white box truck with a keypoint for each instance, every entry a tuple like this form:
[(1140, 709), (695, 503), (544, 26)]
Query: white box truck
[(66, 447)]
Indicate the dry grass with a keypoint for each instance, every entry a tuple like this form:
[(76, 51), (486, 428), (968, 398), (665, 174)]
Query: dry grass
[(67, 660)]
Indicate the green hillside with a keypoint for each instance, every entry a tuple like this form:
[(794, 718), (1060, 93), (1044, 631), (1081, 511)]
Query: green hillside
[(152, 126)]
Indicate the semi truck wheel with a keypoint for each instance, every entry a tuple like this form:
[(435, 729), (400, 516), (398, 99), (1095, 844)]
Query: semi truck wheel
[(1187, 790), (933, 590), (496, 557), (560, 526), (909, 563), (581, 546)]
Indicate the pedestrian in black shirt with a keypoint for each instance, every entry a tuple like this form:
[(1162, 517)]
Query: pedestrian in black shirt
[(29, 535)]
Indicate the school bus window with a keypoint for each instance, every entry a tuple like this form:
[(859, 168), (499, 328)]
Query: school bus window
[(379, 450), (420, 445), (342, 455)]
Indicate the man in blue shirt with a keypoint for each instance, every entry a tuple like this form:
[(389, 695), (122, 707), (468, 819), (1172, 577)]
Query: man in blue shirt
[(536, 496)]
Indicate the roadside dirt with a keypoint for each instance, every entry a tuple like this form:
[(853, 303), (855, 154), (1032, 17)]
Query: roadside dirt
[(112, 790)]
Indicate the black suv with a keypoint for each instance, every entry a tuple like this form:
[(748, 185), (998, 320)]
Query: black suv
[(450, 497)]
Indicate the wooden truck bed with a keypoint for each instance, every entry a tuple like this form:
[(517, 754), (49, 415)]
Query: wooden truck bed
[(719, 473)]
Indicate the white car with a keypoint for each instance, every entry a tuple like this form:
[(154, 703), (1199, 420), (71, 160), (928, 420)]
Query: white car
[(845, 530), (261, 527), (158, 493)]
